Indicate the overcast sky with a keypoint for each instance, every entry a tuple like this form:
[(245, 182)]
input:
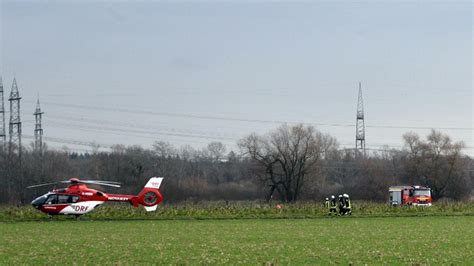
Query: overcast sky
[(200, 71)]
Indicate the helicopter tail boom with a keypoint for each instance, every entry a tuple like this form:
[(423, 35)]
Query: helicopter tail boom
[(149, 197)]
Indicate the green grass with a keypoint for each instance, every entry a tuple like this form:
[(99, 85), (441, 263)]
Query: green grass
[(240, 210), (339, 240)]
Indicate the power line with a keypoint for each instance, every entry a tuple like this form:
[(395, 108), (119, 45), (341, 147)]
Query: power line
[(91, 145), (134, 111), (120, 131), (171, 132), (383, 147), (72, 141), (134, 125), (123, 132), (156, 132)]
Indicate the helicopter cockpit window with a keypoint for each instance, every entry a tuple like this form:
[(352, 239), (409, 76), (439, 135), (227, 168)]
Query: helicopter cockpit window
[(66, 199), (52, 199), (63, 199)]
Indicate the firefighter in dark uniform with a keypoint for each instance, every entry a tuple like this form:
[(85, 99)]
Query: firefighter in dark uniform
[(348, 205), (333, 205), (326, 205), (341, 205)]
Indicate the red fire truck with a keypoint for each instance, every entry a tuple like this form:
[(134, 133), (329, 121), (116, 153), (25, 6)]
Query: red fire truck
[(410, 195)]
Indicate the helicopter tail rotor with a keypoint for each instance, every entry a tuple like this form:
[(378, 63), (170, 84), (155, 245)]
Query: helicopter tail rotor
[(150, 195)]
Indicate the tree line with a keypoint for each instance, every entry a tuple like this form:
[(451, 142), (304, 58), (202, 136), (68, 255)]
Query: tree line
[(289, 163)]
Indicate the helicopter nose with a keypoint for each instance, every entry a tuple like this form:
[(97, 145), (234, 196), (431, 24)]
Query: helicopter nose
[(35, 205)]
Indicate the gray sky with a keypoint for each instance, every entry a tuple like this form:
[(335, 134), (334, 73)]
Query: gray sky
[(200, 71)]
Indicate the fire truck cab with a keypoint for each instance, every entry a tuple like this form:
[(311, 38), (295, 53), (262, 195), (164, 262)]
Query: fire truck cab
[(410, 195)]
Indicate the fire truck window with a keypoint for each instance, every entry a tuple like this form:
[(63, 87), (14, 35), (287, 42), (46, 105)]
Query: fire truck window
[(410, 193), (422, 193), (52, 199), (63, 199)]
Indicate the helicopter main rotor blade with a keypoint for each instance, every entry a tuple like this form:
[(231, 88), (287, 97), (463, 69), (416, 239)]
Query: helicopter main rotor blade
[(45, 184), (77, 181), (103, 181), (98, 183)]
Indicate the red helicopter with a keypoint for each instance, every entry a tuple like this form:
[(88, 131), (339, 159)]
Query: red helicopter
[(78, 199)]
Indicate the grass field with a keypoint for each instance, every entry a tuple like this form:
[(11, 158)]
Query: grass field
[(241, 210), (340, 240)]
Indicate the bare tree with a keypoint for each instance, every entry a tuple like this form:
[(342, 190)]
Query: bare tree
[(286, 157), (164, 149), (215, 151), (414, 160), (438, 163)]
